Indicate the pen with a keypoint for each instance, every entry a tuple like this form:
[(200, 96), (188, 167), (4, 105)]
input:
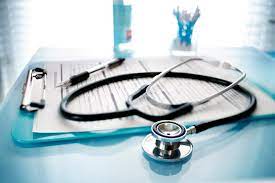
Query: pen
[(85, 75)]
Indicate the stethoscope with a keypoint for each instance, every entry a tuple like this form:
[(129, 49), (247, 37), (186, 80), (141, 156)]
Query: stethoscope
[(167, 141)]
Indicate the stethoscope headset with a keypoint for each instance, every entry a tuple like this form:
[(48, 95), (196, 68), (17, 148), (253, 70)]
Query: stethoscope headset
[(167, 141)]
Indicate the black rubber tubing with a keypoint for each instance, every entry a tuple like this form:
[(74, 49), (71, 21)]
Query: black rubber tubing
[(132, 111)]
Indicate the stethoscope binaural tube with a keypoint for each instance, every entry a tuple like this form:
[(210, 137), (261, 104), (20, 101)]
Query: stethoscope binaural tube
[(223, 65)]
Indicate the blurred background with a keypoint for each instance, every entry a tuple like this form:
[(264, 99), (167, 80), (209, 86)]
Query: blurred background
[(27, 25)]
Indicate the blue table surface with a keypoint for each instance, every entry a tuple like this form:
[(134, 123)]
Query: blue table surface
[(271, 53), (238, 152)]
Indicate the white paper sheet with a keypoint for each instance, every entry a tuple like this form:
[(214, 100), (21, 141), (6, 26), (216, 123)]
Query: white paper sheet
[(112, 97)]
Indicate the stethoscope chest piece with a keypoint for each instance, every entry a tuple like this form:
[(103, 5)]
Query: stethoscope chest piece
[(166, 142)]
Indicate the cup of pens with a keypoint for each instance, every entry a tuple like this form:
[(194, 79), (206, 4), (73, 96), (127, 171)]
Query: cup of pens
[(186, 21)]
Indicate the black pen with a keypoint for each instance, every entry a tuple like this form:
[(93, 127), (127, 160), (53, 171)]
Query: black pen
[(86, 74)]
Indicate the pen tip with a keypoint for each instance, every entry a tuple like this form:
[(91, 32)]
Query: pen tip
[(63, 84), (58, 85)]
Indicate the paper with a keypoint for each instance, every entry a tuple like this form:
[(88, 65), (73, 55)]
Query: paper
[(112, 97)]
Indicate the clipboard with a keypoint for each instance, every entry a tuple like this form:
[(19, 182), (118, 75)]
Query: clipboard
[(22, 127), (21, 131)]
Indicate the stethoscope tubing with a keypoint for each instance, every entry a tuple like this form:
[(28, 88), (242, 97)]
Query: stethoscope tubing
[(131, 110)]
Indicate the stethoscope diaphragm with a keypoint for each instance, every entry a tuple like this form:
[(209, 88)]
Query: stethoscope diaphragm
[(167, 142)]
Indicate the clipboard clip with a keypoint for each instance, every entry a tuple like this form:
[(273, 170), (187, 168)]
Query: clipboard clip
[(34, 90)]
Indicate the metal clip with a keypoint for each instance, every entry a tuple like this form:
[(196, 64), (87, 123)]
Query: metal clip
[(34, 90)]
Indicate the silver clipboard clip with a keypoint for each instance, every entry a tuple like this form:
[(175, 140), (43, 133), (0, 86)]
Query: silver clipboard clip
[(34, 90)]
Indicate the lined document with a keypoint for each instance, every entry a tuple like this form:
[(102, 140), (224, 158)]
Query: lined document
[(112, 97)]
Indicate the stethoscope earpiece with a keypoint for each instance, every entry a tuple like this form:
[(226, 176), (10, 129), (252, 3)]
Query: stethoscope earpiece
[(167, 142)]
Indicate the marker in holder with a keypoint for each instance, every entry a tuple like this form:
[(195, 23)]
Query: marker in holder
[(186, 22)]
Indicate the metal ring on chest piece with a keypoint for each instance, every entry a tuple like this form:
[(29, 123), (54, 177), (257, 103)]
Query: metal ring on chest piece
[(166, 142)]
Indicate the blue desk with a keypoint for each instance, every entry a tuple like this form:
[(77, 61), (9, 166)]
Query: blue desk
[(271, 53), (237, 152)]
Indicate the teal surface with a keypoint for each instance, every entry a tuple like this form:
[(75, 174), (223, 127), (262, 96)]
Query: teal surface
[(271, 53), (239, 152)]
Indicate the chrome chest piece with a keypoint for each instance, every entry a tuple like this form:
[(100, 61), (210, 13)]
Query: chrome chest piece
[(167, 142)]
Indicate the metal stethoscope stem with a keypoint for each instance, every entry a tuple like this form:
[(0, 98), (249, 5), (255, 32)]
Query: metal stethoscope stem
[(223, 65)]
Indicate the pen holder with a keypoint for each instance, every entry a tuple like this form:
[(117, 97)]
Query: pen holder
[(186, 21), (183, 44), (185, 31)]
